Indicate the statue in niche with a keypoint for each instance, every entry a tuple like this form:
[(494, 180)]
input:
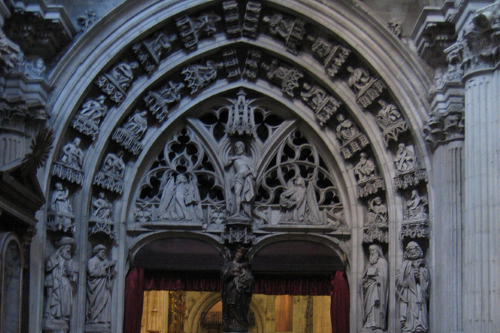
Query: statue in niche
[(137, 125), (405, 159), (375, 290), (102, 208), (242, 183), (377, 214), (299, 202), (100, 273), (237, 288), (72, 155), (365, 169), (180, 199), (61, 207), (61, 276), (413, 289), (359, 78), (346, 130), (416, 206), (123, 74)]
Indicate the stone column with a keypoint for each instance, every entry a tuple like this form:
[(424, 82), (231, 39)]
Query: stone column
[(481, 236)]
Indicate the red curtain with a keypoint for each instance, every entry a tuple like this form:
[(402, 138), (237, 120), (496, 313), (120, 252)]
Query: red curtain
[(138, 280), (134, 300), (339, 308)]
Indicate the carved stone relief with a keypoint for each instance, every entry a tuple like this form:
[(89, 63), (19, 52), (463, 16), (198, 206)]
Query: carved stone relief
[(111, 175), (390, 121), (159, 101), (287, 77), (413, 290), (69, 165), (291, 30), (150, 50), (230, 57), (191, 30), (333, 56), (61, 274), (130, 134), (368, 181), (116, 82), (408, 171), (87, 121), (416, 219), (234, 27), (252, 63), (60, 214), (87, 20), (100, 274), (351, 138), (366, 87), (241, 120), (101, 219), (199, 76), (376, 226), (323, 104)]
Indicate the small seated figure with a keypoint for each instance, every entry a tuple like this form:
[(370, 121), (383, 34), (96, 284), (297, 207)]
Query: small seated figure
[(346, 130), (365, 169), (72, 154), (405, 159)]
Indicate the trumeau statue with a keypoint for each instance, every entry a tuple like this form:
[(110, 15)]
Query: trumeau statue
[(242, 183), (100, 273), (412, 290), (237, 288), (61, 276), (375, 290), (180, 199)]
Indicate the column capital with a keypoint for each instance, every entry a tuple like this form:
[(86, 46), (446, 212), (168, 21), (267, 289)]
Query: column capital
[(444, 128)]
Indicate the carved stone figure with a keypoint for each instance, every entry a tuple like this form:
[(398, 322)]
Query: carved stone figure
[(100, 273), (242, 183), (10, 294), (88, 119), (288, 77), (299, 202), (333, 56), (375, 290), (323, 104), (405, 159), (61, 210), (116, 82), (416, 206), (252, 64), (237, 288), (131, 132), (102, 208), (180, 199), (112, 172), (149, 51), (291, 30), (346, 130), (191, 30), (61, 276), (359, 79), (199, 76), (365, 169), (391, 122), (377, 214), (159, 101), (72, 154), (413, 289)]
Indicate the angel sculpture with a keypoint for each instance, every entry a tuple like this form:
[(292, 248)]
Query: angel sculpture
[(180, 199), (299, 202)]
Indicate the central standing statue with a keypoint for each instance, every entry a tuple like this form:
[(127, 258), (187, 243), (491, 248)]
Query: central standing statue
[(242, 182), (237, 288)]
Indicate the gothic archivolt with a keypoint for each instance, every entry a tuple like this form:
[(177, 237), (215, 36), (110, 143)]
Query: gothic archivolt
[(148, 147)]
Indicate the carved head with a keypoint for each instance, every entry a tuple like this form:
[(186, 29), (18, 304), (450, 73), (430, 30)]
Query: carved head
[(413, 251), (240, 254), (59, 186), (101, 195), (239, 147), (340, 117), (401, 147), (375, 253), (77, 141), (100, 250), (363, 156), (67, 246)]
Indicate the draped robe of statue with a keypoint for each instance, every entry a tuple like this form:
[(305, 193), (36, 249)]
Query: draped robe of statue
[(99, 290)]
